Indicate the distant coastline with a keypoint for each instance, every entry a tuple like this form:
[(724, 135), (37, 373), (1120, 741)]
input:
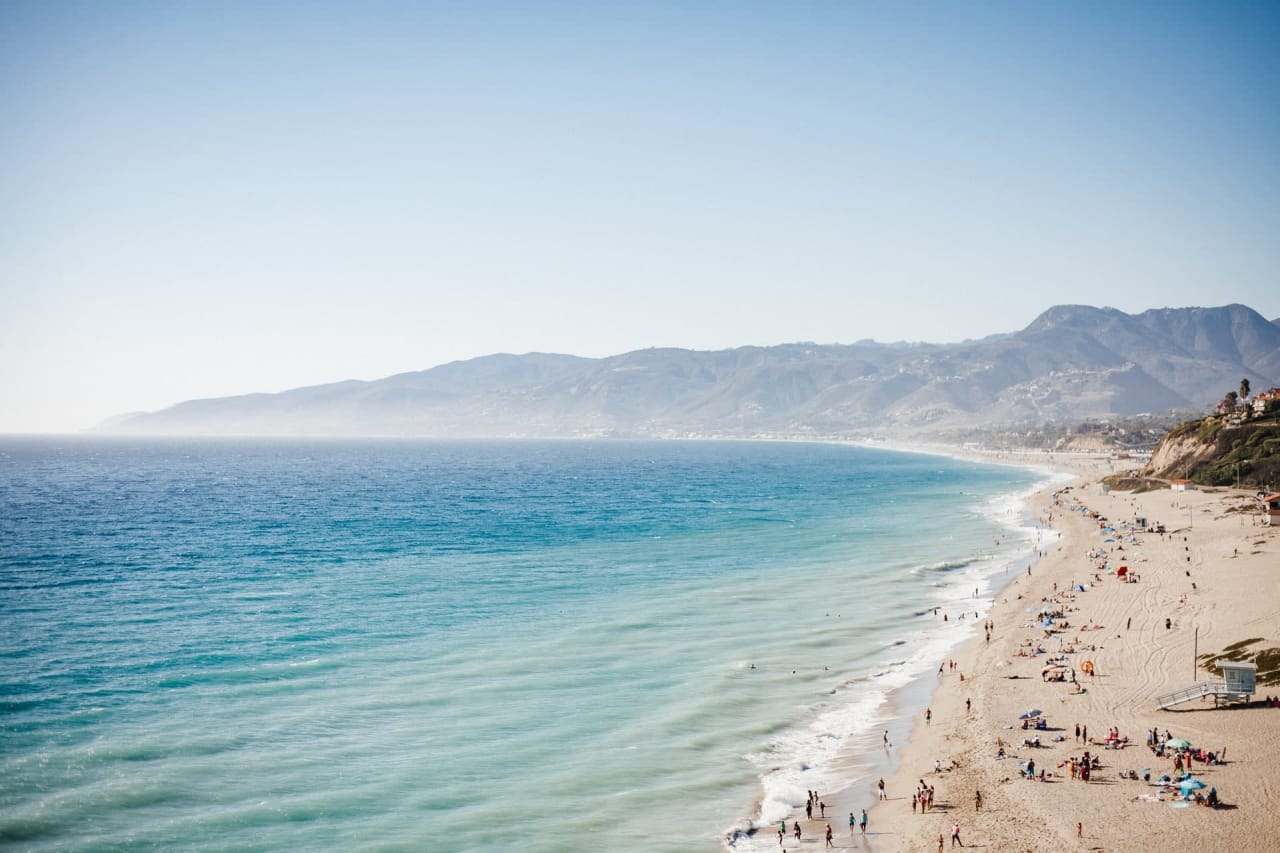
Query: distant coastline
[(1072, 363)]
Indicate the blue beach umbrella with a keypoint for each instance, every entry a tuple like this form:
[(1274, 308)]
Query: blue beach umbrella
[(1190, 784)]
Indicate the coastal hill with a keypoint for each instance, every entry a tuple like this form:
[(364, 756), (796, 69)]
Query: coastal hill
[(1071, 363), (1221, 450)]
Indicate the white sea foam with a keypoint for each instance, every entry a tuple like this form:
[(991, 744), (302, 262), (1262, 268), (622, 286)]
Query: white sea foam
[(823, 754)]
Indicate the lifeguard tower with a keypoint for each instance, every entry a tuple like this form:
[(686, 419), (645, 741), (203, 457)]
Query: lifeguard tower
[(1236, 685), (1238, 678)]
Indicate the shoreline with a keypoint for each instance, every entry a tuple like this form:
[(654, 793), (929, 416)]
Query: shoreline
[(1021, 815), (896, 715)]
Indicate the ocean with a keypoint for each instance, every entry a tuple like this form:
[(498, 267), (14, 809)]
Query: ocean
[(466, 646)]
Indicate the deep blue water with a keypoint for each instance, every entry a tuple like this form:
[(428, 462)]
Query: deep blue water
[(473, 645)]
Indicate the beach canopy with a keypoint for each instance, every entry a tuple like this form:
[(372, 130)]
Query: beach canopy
[(1177, 743), (1079, 587), (1190, 784), (1029, 714)]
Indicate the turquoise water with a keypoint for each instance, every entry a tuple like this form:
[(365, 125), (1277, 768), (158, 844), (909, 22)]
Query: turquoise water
[(380, 645)]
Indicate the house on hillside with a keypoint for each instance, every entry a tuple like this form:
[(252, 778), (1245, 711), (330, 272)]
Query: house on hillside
[(1260, 401), (1270, 509), (1182, 485)]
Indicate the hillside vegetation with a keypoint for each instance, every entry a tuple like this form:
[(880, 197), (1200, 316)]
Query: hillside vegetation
[(1212, 451)]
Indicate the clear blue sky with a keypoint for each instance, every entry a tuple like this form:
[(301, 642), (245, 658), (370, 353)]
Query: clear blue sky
[(209, 198)]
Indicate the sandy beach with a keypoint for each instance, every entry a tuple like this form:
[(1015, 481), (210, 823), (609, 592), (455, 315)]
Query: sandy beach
[(1211, 580)]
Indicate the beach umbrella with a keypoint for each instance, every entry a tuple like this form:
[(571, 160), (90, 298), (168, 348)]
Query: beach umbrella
[(1029, 714), (1079, 587), (1177, 743), (1190, 784)]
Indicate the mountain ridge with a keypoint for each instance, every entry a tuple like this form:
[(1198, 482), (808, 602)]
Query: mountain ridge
[(1072, 362)]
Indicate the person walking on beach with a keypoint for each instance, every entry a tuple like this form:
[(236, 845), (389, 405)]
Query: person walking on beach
[(881, 787), (808, 809), (853, 821), (977, 801), (864, 821), (797, 830), (955, 835), (829, 844)]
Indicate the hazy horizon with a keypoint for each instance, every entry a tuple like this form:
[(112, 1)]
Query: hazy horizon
[(208, 201)]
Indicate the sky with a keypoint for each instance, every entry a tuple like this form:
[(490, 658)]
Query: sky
[(201, 199)]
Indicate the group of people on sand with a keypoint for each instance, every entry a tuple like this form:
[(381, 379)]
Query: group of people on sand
[(923, 797), (814, 801), (1081, 768)]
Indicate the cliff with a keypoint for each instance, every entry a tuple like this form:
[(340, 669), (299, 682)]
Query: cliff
[(1213, 452)]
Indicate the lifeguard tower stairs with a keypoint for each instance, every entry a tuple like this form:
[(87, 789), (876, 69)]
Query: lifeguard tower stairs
[(1236, 685)]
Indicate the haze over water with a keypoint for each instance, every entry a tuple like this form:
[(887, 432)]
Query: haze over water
[(467, 645)]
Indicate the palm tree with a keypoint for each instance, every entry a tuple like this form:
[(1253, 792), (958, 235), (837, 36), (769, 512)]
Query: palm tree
[(1229, 401), (1244, 388)]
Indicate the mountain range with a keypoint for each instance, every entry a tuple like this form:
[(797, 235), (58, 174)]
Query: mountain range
[(1072, 363)]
